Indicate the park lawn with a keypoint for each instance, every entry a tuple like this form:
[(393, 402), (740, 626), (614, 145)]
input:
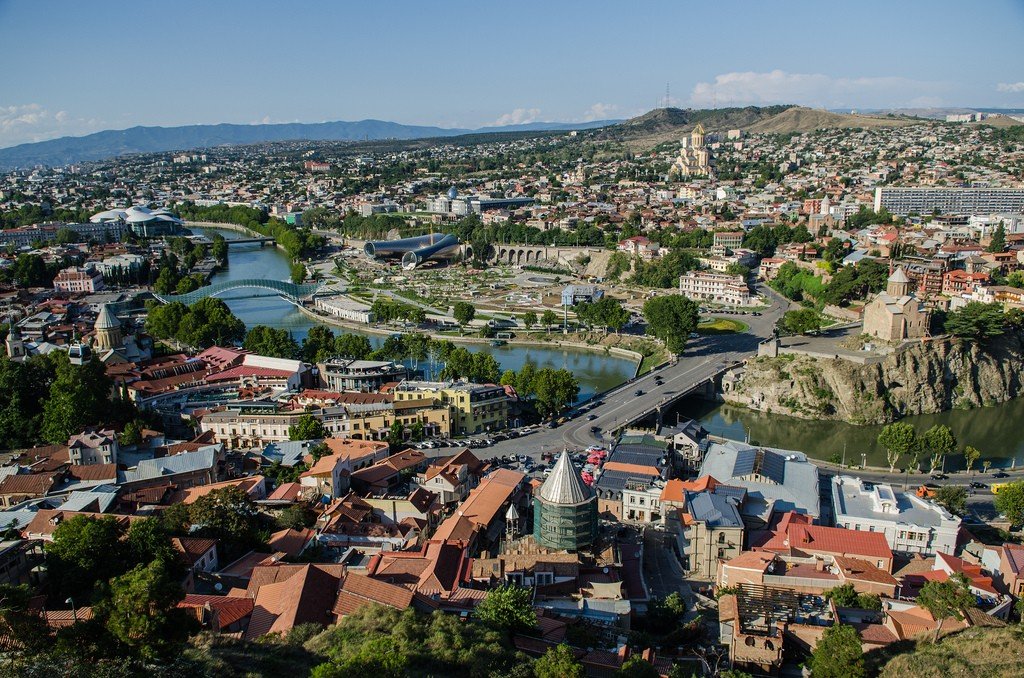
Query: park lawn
[(721, 326)]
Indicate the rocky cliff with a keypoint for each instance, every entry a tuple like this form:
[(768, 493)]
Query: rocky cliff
[(922, 378)]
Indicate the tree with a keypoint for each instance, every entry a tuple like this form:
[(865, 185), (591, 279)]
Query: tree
[(141, 610), (65, 236), (638, 667), (898, 439), (671, 318), (558, 662), (163, 320), (463, 312), (228, 514), (30, 271), (166, 281), (971, 456), (998, 242), (508, 607), (944, 599), (79, 396), (396, 435), (1010, 502), (131, 435), (953, 497), (269, 341), (148, 540), (84, 551), (553, 390), (843, 596), (319, 344), (307, 427), (23, 624), (26, 388), (838, 654), (353, 346), (976, 321), (939, 442), (548, 318), (219, 249), (803, 321), (298, 272), (297, 517), (209, 322), (529, 319)]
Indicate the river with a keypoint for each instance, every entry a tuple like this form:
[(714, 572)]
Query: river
[(595, 371), (992, 430)]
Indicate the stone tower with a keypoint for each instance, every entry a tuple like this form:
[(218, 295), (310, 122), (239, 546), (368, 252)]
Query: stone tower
[(15, 344), (565, 509), (898, 284), (108, 330)]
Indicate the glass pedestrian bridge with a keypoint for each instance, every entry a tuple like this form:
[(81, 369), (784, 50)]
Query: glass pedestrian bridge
[(283, 288)]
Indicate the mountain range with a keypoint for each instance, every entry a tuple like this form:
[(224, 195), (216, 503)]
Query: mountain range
[(113, 143)]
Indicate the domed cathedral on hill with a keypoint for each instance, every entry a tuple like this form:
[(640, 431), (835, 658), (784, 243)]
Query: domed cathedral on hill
[(565, 509), (896, 314), (694, 159)]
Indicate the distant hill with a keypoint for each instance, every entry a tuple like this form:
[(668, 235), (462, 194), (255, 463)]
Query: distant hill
[(112, 143), (799, 119), (669, 124)]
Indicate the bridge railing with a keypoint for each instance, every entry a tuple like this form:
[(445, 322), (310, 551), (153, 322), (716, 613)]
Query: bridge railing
[(284, 288)]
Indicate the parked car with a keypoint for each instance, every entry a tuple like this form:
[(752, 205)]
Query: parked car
[(939, 476)]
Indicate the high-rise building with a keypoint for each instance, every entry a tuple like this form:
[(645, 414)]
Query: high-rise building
[(969, 201)]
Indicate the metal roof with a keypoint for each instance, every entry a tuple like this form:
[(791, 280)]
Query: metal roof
[(564, 485)]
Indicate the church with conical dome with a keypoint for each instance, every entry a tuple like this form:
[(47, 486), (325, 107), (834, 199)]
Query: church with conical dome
[(565, 509), (896, 314)]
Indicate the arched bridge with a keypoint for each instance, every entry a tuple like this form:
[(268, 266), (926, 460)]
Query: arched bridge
[(283, 288)]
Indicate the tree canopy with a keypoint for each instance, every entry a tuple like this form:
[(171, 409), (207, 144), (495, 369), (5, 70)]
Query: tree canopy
[(508, 607), (838, 654), (671, 318)]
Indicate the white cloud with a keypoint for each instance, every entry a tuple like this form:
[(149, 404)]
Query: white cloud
[(31, 122), (1012, 87), (519, 116), (813, 89), (600, 111)]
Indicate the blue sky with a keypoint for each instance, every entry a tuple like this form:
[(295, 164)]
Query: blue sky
[(69, 68)]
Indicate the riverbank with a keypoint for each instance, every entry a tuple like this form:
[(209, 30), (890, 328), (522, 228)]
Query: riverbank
[(635, 356), (233, 227), (925, 377)]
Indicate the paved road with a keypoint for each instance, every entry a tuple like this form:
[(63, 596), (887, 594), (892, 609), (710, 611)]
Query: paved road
[(704, 358)]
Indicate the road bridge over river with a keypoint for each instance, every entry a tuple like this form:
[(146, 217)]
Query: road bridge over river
[(704, 360)]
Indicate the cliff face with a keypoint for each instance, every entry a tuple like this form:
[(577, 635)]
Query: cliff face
[(924, 378)]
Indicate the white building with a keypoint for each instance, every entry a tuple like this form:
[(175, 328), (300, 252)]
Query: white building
[(346, 309), (910, 524), (903, 200), (719, 288)]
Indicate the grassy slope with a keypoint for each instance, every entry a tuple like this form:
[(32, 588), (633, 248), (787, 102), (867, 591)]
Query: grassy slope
[(972, 653)]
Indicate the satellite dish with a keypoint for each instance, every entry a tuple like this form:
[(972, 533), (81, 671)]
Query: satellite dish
[(605, 570), (218, 586)]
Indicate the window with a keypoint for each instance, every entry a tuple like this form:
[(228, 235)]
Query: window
[(545, 578), (721, 553), (721, 537)]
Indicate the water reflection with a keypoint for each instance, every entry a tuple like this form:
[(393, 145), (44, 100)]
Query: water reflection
[(596, 372), (993, 430)]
